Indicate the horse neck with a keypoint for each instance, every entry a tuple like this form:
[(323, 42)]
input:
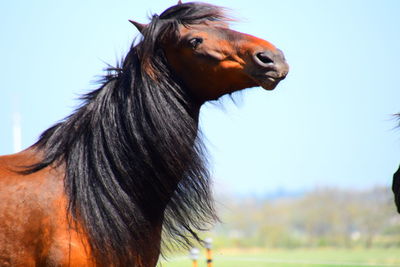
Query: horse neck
[(132, 161), (142, 136)]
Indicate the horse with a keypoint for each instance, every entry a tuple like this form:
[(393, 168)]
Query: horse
[(396, 184), (108, 184)]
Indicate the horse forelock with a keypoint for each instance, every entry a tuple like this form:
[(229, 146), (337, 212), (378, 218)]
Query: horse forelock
[(165, 26)]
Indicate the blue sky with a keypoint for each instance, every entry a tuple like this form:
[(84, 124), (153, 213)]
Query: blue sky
[(329, 123)]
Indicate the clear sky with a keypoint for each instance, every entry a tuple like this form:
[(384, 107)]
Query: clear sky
[(329, 123)]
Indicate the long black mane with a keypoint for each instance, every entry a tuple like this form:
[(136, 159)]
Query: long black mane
[(131, 151)]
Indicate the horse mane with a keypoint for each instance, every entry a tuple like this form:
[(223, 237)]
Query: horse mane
[(131, 151), (396, 176)]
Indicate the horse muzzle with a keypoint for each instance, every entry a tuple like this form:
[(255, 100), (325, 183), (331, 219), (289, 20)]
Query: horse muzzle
[(270, 67)]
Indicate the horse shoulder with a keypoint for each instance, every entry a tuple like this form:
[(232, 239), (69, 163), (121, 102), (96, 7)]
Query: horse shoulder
[(33, 221)]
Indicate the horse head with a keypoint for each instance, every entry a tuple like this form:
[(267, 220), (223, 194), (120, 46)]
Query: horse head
[(209, 58)]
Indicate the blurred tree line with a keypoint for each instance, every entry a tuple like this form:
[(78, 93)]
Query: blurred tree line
[(320, 218)]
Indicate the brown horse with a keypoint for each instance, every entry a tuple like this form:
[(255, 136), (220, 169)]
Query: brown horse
[(396, 184), (100, 187)]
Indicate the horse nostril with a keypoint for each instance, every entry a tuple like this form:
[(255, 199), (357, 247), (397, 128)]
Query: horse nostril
[(264, 58)]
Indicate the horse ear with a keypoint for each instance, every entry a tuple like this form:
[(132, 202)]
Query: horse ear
[(138, 25), (179, 2)]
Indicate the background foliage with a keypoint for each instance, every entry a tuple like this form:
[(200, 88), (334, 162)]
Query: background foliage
[(325, 217)]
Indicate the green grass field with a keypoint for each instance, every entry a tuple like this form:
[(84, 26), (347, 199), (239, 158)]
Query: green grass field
[(296, 257)]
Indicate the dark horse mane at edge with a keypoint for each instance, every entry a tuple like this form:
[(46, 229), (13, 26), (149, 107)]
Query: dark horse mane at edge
[(131, 151), (396, 176)]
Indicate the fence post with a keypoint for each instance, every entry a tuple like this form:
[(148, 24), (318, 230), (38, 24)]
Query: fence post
[(194, 256), (208, 245)]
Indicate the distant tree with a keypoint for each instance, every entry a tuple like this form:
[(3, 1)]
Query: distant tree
[(323, 217)]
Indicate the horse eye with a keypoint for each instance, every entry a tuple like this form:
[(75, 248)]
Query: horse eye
[(194, 43)]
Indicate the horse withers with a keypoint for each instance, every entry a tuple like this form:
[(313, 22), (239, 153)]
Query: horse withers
[(99, 187)]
